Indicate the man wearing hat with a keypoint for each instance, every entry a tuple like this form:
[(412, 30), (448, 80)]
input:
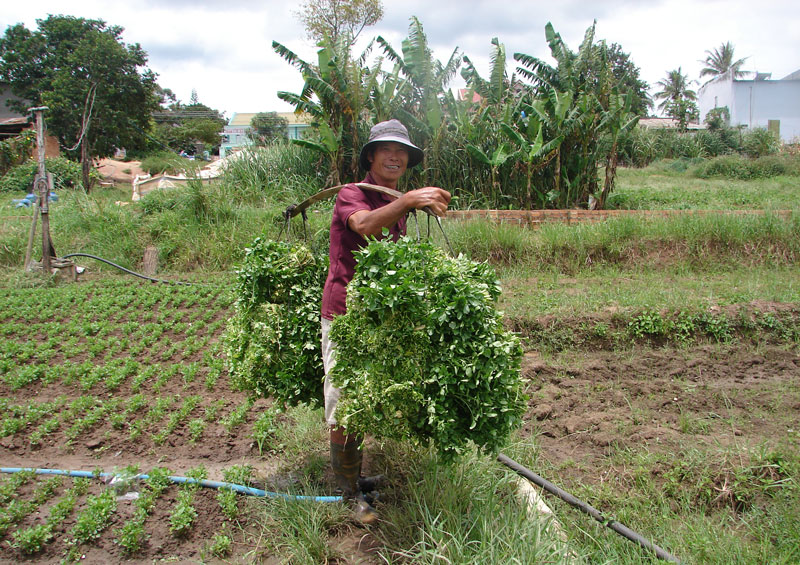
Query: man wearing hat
[(357, 214)]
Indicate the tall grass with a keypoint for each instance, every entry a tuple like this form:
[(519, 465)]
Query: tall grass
[(693, 242), (278, 173), (468, 512)]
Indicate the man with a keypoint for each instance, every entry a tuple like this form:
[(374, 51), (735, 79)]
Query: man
[(357, 214)]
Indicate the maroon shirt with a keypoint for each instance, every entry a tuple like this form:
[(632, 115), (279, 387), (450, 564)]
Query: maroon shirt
[(345, 241)]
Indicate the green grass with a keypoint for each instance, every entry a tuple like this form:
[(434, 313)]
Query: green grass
[(663, 185), (552, 294)]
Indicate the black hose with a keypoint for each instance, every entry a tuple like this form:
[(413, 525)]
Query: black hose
[(621, 529), (135, 274)]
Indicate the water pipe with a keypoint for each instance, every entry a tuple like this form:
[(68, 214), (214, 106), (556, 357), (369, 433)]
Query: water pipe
[(179, 480), (621, 529)]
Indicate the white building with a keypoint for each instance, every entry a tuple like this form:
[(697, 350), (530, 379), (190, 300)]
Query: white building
[(757, 103), (234, 135)]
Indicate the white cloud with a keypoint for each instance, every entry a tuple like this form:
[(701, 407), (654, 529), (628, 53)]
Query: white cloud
[(224, 49)]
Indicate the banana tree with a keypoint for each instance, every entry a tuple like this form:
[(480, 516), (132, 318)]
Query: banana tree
[(494, 161), (335, 95), (426, 81), (579, 101), (619, 121)]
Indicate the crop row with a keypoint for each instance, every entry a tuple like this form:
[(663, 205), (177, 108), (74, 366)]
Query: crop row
[(34, 511)]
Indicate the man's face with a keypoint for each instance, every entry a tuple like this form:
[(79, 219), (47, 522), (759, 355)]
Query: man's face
[(388, 161)]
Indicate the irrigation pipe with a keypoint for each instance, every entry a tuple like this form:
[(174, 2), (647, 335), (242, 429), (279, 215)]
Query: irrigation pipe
[(621, 529), (250, 491), (134, 273)]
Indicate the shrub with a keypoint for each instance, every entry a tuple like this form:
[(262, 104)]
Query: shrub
[(16, 150), (66, 174), (729, 166), (758, 142), (742, 168)]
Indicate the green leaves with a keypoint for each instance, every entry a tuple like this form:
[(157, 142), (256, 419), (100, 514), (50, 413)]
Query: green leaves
[(273, 340), (422, 351)]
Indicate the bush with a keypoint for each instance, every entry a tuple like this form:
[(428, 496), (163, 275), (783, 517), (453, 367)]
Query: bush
[(759, 142), (729, 166), (742, 168), (167, 162), (66, 174), (16, 150)]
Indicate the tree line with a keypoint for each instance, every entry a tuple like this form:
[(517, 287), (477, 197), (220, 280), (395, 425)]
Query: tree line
[(537, 135)]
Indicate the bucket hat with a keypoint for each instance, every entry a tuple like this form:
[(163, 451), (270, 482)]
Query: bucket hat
[(391, 130)]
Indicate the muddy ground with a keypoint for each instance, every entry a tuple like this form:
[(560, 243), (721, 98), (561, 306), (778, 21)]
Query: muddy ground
[(583, 408)]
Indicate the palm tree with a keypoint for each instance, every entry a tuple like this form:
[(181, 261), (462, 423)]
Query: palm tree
[(674, 88), (678, 98), (720, 64)]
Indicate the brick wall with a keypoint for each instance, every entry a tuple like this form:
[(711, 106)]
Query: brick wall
[(532, 218)]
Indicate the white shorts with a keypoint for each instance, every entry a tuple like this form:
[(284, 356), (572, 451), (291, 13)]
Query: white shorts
[(328, 361)]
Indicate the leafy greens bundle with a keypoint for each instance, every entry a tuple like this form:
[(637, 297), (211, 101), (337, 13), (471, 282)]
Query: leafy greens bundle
[(273, 340), (422, 352)]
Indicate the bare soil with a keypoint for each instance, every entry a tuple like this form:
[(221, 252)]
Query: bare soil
[(119, 172), (583, 408)]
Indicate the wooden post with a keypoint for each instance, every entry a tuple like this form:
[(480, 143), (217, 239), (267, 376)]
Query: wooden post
[(43, 189)]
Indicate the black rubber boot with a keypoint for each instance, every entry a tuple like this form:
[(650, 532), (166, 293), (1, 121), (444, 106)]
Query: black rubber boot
[(371, 484), (346, 465)]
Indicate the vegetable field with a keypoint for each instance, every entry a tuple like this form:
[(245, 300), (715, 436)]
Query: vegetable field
[(679, 422), (123, 377)]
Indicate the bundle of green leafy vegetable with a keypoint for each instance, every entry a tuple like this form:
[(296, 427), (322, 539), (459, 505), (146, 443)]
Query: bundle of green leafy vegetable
[(273, 340), (423, 353)]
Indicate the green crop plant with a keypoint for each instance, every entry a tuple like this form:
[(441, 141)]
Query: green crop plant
[(423, 351), (184, 513), (95, 518), (264, 430), (228, 498), (196, 428), (273, 339), (211, 412), (14, 512), (237, 416), (220, 545), (31, 540), (176, 418), (9, 486), (132, 534)]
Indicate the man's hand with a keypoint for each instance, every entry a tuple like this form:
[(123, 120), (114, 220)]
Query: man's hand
[(432, 197), (372, 222)]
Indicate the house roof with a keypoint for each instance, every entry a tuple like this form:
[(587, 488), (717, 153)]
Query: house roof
[(244, 118), (464, 92), (667, 123), (793, 76)]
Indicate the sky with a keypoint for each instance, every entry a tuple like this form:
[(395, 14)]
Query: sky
[(223, 49)]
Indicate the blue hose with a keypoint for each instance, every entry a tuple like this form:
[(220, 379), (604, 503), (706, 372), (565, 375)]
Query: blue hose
[(179, 480)]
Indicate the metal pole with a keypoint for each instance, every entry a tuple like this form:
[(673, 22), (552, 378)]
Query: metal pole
[(621, 529)]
